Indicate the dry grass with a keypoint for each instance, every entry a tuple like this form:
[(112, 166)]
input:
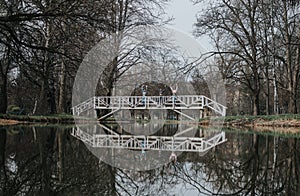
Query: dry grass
[(8, 122)]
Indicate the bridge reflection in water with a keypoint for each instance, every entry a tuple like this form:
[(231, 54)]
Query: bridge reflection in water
[(181, 141), (115, 145)]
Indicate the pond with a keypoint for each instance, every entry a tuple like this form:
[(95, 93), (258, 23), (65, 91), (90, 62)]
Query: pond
[(57, 160)]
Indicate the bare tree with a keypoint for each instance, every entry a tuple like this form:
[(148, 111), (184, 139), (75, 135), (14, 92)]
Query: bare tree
[(126, 18), (50, 38), (288, 52), (238, 24), (257, 41)]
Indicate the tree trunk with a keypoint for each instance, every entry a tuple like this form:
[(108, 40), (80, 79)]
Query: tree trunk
[(52, 95), (61, 97), (275, 159), (59, 138), (42, 106), (4, 63), (46, 139), (3, 173), (62, 80), (267, 93), (295, 78), (256, 105), (2, 147), (105, 86), (256, 92), (291, 79), (292, 104), (255, 164), (3, 93)]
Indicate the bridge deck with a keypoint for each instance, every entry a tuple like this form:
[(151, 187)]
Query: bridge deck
[(177, 103)]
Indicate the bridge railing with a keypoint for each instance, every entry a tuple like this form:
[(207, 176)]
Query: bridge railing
[(132, 102), (84, 106), (215, 106), (150, 102)]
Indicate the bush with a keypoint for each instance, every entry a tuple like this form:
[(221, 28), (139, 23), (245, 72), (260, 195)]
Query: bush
[(13, 109)]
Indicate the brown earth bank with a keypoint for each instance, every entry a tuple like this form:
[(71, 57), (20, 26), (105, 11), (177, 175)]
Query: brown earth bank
[(289, 126), (8, 122), (282, 130), (283, 120), (265, 123)]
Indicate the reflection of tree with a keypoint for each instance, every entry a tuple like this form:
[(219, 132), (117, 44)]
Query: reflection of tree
[(247, 172), (50, 161), (153, 182), (53, 163), (248, 164), (293, 178), (3, 176)]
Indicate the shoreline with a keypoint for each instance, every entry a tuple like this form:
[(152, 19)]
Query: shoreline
[(6, 119), (276, 121), (280, 123)]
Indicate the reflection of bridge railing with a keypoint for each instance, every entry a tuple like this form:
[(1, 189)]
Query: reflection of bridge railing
[(137, 142), (116, 103)]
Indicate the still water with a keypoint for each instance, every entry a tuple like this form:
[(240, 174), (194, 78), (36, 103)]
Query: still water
[(52, 160)]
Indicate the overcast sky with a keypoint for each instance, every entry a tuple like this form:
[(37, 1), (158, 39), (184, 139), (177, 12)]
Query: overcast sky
[(184, 14)]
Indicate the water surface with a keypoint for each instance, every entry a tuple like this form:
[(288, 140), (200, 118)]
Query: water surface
[(47, 160)]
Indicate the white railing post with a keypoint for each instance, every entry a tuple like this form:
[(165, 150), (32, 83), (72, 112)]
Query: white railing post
[(94, 102)]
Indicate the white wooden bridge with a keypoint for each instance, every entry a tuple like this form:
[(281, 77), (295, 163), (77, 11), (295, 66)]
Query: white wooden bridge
[(177, 103), (144, 143)]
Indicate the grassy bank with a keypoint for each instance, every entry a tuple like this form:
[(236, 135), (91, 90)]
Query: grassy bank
[(9, 119)]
